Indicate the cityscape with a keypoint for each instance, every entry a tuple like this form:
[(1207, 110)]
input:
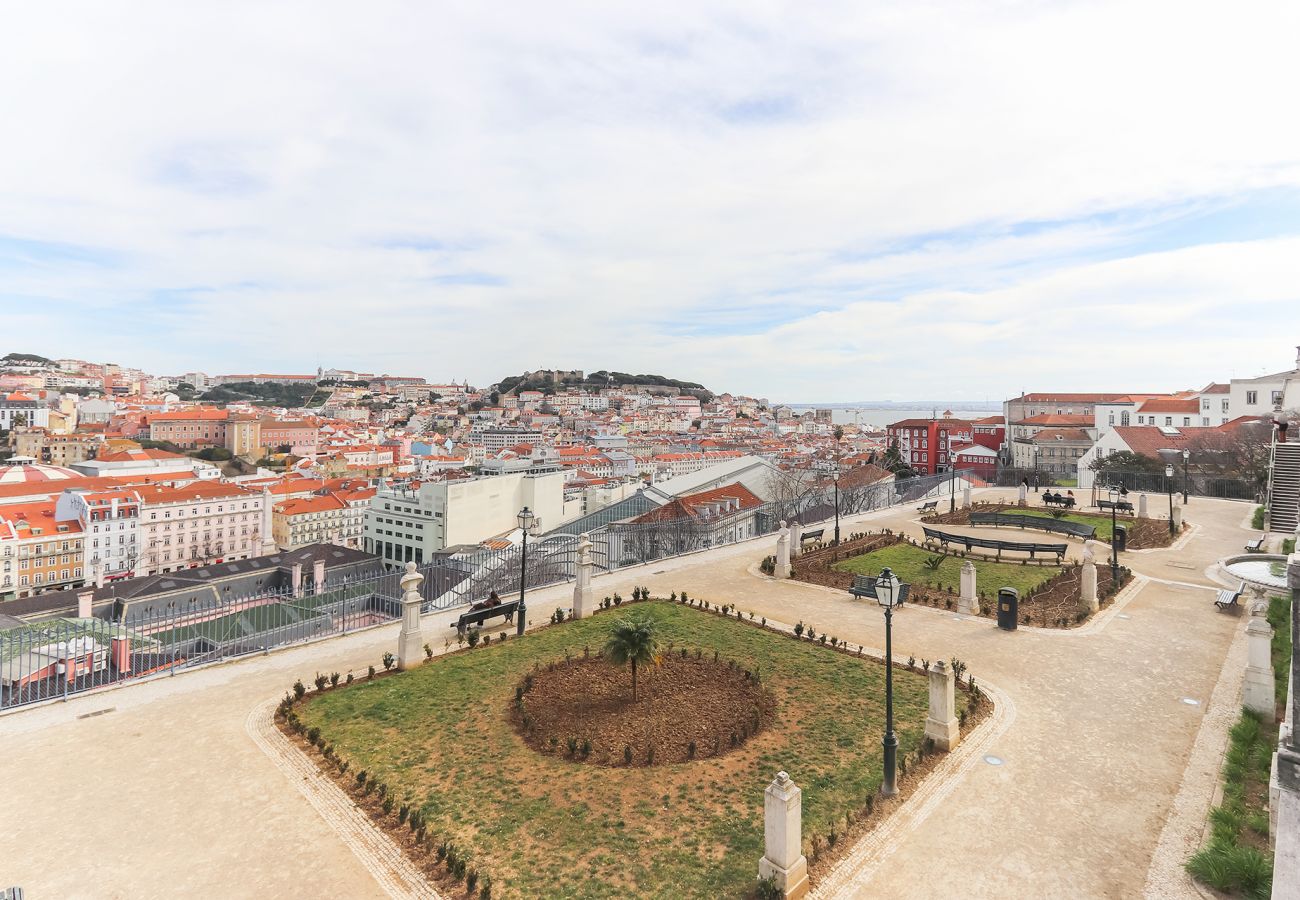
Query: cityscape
[(705, 451)]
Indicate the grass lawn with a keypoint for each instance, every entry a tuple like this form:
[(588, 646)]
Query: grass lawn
[(543, 826), (1102, 522), (908, 563)]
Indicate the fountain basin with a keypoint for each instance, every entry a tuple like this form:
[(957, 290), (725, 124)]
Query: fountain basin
[(1262, 570)]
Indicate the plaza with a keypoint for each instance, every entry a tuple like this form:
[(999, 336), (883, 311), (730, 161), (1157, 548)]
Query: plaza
[(1092, 779)]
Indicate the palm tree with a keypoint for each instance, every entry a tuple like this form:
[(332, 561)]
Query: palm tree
[(634, 639)]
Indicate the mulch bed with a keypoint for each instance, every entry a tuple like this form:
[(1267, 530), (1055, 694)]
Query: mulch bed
[(815, 566), (689, 706), (1143, 534)]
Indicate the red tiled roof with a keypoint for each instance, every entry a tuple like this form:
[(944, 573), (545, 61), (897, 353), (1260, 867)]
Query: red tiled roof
[(1170, 405), (1060, 421)]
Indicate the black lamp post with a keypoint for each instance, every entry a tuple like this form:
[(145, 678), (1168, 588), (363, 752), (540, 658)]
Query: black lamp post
[(837, 503), (1169, 488), (1036, 468), (527, 522), (1186, 456), (888, 591), (1115, 497), (952, 485)]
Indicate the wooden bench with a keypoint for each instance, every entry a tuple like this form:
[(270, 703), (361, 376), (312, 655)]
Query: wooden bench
[(1120, 506), (930, 506), (812, 535), (1255, 546), (943, 538), (865, 586), (1075, 529), (479, 616), (1229, 598)]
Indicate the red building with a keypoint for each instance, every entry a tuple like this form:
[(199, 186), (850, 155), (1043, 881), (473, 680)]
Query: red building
[(926, 444)]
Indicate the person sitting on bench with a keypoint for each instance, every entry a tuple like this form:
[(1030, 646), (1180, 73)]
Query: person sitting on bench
[(491, 601)]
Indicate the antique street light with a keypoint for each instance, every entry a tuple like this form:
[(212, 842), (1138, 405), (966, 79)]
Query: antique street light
[(1187, 454), (1115, 497), (1169, 488), (527, 522), (1036, 449), (837, 502), (888, 593)]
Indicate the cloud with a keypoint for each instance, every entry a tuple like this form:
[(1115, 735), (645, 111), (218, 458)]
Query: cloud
[(736, 193)]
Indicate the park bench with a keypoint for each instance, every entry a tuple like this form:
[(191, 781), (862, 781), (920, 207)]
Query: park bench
[(1061, 500), (479, 616), (1060, 526), (1120, 506), (812, 535), (1256, 546), (865, 586), (943, 539), (1229, 598), (931, 506)]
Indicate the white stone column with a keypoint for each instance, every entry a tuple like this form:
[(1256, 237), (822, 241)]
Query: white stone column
[(969, 602), (296, 579), (1088, 589), (1142, 506), (965, 497), (796, 545), (1257, 690), (318, 575), (783, 857), (1178, 519), (582, 583), (941, 723), (410, 641), (1024, 493), (782, 569)]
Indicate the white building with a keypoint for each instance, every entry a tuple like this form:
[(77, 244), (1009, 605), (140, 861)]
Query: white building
[(110, 521), (404, 525), (1260, 396)]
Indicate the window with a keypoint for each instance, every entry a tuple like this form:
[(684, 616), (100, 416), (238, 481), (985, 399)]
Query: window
[(1169, 420), (1225, 406), (1277, 398), (1252, 397), (1205, 405), (1205, 421), (1123, 419), (1112, 420), (1187, 421)]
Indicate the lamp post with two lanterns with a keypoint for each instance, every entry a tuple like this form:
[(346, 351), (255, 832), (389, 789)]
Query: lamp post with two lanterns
[(527, 522), (888, 593)]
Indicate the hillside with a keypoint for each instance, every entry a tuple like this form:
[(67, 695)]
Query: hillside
[(602, 379), (287, 395)]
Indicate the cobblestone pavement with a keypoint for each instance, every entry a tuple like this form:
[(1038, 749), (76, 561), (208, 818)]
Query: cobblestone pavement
[(168, 795)]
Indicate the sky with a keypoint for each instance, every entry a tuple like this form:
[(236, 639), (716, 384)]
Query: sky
[(806, 202)]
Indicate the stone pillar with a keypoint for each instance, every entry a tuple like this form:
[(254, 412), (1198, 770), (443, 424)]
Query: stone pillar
[(85, 603), (782, 569), (969, 602), (965, 496), (1088, 589), (783, 859), (318, 575), (1142, 506), (296, 579), (1024, 493), (410, 641), (1257, 690), (582, 583), (941, 723), (796, 545), (1178, 519)]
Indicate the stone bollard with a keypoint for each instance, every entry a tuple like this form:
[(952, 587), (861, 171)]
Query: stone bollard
[(410, 641), (1257, 690), (582, 583), (1024, 493), (1088, 577), (1142, 506), (783, 859), (965, 497), (969, 602), (941, 723), (796, 546), (782, 569), (295, 579), (1178, 519)]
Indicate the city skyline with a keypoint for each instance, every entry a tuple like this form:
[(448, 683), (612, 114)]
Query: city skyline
[(747, 198)]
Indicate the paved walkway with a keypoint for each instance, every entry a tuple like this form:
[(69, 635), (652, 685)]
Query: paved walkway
[(168, 795)]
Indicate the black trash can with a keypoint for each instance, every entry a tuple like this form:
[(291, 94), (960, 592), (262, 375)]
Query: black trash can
[(1008, 608), (1121, 538)]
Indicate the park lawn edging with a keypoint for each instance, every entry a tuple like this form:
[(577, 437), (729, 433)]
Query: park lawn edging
[(450, 858)]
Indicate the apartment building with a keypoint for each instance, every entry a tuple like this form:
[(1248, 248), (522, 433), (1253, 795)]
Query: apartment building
[(201, 523), (55, 449), (38, 552), (110, 525), (190, 428), (18, 408), (337, 517), (927, 444)]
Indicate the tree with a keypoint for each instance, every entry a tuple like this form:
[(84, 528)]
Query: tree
[(635, 640), (1128, 461), (894, 461)]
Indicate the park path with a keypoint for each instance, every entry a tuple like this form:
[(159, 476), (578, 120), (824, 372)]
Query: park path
[(166, 792)]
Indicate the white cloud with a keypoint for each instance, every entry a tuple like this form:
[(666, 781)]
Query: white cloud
[(761, 196)]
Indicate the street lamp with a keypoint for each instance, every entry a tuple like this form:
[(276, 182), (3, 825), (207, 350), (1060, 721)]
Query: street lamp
[(952, 485), (1036, 449), (837, 503), (1187, 454), (888, 593), (1169, 488), (1115, 497), (527, 522)]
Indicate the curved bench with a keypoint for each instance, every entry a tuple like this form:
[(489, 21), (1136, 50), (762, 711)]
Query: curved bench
[(1060, 526), (943, 538)]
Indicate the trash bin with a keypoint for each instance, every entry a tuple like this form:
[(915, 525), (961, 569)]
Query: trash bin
[(1008, 608), (1121, 538)]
